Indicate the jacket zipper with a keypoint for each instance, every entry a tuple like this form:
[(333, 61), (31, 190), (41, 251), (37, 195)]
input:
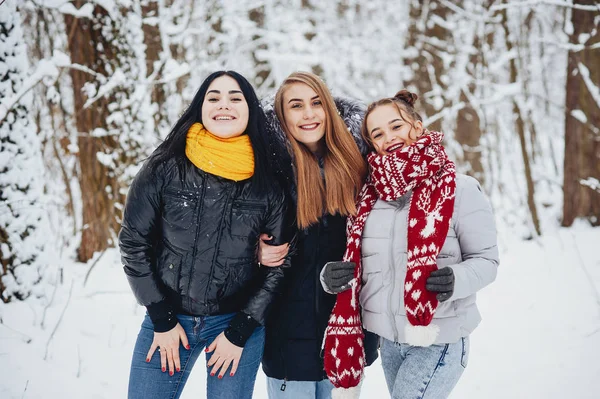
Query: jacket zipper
[(393, 272), (195, 247), (318, 279), (219, 236)]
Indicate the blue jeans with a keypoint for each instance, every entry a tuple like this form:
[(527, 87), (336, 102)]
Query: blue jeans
[(299, 389), (423, 372), (147, 381)]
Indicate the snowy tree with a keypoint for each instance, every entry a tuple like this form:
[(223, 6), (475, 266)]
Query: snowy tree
[(23, 219), (111, 113), (582, 124)]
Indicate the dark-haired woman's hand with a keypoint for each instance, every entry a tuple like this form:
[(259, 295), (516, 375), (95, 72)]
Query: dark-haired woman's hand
[(271, 255), (167, 344), (225, 354)]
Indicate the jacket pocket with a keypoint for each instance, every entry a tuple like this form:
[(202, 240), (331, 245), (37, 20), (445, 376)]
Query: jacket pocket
[(169, 266), (246, 219), (179, 207), (371, 294), (239, 274), (445, 309)]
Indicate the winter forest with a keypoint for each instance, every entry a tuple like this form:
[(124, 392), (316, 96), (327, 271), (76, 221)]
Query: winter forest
[(88, 88)]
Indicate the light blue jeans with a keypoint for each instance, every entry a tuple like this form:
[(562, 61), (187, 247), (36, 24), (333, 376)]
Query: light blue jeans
[(423, 372), (147, 381), (299, 389)]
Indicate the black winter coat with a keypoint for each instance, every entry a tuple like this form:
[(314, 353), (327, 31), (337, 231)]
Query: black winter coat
[(296, 326), (188, 244)]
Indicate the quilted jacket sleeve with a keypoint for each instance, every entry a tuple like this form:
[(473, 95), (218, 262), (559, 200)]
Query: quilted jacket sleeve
[(136, 241), (476, 232)]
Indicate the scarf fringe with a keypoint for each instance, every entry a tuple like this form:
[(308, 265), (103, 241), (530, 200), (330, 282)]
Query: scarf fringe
[(346, 393), (421, 335)]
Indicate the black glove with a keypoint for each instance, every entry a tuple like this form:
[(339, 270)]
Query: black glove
[(442, 282), (337, 276)]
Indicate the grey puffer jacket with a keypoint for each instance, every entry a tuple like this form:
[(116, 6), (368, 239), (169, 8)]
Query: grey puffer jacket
[(470, 250)]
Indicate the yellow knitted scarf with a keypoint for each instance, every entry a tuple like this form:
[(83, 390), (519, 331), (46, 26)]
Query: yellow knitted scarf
[(231, 158)]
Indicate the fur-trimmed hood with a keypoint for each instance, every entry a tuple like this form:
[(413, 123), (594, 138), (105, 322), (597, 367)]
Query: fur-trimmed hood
[(351, 111)]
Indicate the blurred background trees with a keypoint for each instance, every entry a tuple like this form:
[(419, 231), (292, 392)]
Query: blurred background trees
[(88, 89)]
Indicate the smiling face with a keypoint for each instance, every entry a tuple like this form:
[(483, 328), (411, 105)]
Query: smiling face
[(304, 115), (225, 110), (391, 131)]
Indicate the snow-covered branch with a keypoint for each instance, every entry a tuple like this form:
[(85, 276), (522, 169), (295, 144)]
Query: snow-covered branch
[(592, 88), (592, 183), (116, 80), (85, 11), (47, 69), (571, 47), (545, 2)]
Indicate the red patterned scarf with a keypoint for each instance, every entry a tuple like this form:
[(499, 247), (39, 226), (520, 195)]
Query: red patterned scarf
[(424, 168)]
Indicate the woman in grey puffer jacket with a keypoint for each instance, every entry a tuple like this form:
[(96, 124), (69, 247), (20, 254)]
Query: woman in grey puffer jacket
[(424, 240)]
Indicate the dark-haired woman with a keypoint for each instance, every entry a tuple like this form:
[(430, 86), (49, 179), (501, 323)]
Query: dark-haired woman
[(188, 243), (423, 242)]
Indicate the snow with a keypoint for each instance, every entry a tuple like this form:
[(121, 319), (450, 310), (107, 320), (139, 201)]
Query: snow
[(579, 115), (86, 10), (539, 338), (540, 334), (591, 86)]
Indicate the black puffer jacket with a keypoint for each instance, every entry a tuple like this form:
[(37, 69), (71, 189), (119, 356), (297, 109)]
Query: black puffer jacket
[(296, 326), (188, 244)]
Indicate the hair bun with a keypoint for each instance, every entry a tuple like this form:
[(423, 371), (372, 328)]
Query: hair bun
[(407, 97)]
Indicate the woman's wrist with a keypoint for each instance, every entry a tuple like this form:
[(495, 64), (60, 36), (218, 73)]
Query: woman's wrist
[(240, 329), (163, 316)]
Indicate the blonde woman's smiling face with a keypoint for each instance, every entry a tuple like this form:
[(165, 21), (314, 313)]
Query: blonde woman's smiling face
[(390, 131), (304, 115)]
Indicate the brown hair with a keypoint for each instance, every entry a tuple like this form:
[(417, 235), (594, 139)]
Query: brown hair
[(344, 167), (404, 100)]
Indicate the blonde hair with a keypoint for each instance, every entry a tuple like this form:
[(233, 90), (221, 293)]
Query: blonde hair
[(344, 166)]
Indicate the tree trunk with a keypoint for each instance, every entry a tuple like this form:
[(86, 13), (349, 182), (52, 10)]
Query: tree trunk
[(521, 131), (427, 66), (98, 182), (582, 138), (261, 67), (468, 134), (154, 49)]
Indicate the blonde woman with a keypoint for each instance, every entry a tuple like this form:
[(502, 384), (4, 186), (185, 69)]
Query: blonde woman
[(316, 141)]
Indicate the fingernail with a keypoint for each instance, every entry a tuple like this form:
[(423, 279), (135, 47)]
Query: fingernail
[(147, 360), (164, 369), (231, 374), (171, 372), (212, 374), (178, 369), (220, 376), (206, 350), (187, 347)]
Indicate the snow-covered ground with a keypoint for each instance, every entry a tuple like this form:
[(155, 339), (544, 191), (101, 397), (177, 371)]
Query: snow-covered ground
[(540, 337)]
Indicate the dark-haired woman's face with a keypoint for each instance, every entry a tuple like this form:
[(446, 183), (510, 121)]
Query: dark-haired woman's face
[(225, 110), (390, 131)]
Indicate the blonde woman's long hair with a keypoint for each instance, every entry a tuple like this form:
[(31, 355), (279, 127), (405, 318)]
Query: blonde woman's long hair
[(344, 167)]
